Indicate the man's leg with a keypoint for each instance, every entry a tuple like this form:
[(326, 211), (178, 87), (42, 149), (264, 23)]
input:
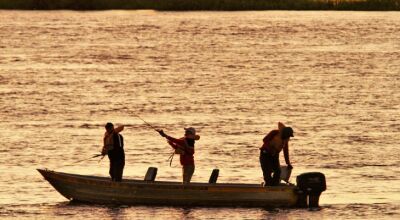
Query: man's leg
[(276, 167), (119, 170), (111, 171), (188, 171), (265, 163)]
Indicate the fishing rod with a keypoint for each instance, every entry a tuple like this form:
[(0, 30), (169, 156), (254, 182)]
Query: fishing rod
[(94, 156), (78, 161), (146, 122), (171, 157)]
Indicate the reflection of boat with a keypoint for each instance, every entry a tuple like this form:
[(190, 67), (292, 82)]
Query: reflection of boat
[(101, 190)]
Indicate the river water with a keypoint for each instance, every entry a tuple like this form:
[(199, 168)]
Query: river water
[(333, 76)]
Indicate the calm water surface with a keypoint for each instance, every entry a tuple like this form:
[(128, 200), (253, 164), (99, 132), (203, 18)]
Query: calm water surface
[(333, 76)]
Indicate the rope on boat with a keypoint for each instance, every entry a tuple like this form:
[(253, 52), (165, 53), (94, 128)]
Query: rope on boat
[(170, 158)]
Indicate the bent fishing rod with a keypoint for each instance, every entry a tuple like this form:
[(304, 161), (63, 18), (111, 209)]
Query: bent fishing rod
[(148, 124), (173, 153)]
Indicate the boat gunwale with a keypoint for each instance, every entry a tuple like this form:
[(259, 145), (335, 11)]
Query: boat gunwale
[(46, 172), (77, 187)]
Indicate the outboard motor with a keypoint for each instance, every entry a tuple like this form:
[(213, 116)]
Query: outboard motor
[(310, 185)]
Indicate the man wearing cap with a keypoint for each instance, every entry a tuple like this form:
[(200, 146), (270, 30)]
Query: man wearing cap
[(114, 148), (185, 148), (274, 142)]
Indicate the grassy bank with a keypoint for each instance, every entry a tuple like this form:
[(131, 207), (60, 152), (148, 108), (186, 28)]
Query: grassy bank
[(180, 5)]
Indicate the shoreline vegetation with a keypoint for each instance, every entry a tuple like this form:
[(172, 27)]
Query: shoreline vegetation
[(207, 5)]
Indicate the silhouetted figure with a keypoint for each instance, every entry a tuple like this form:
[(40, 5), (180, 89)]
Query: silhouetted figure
[(185, 148), (274, 142), (114, 148)]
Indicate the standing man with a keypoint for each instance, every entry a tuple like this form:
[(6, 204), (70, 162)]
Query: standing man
[(114, 148), (274, 142), (185, 148)]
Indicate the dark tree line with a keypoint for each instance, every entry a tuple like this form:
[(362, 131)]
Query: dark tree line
[(180, 5)]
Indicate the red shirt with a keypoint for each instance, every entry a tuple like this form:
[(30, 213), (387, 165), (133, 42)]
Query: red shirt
[(186, 158), (267, 139)]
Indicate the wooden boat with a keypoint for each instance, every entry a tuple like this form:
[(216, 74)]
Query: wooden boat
[(102, 190)]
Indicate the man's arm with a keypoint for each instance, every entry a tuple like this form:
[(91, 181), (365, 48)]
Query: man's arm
[(173, 142), (169, 138), (119, 129), (280, 126), (286, 154), (104, 150)]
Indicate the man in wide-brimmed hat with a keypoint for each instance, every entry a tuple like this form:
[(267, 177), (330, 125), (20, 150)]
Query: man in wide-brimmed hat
[(185, 148), (274, 142)]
